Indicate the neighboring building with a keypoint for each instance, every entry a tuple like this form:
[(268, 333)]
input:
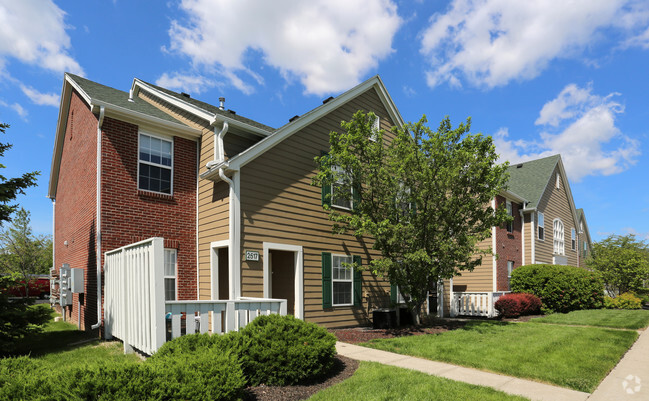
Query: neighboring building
[(585, 244)]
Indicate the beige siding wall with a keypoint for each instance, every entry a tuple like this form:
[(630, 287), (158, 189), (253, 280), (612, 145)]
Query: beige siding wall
[(529, 235), (481, 278), (555, 204), (278, 204)]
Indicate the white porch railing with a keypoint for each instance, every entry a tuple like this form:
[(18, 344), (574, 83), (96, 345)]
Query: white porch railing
[(475, 303), (136, 312), (222, 316)]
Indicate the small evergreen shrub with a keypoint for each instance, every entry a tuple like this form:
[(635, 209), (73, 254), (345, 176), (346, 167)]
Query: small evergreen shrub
[(24, 378), (517, 304), (560, 288), (624, 301), (282, 350)]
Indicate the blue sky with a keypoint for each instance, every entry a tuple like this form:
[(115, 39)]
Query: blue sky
[(540, 77)]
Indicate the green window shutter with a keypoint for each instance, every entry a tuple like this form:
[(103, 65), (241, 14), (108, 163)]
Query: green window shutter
[(326, 280), (326, 187), (393, 294), (356, 197), (358, 278)]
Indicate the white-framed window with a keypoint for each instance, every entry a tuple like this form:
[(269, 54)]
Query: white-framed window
[(510, 268), (573, 238), (510, 212), (558, 183), (336, 199), (557, 236), (170, 271), (376, 126), (541, 229), (155, 164), (342, 280)]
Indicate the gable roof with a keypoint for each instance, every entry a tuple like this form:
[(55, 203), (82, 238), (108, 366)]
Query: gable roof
[(115, 104), (261, 147), (581, 216), (530, 179)]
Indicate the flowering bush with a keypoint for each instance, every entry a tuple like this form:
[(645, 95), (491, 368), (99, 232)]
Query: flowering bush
[(560, 288), (624, 301), (514, 305)]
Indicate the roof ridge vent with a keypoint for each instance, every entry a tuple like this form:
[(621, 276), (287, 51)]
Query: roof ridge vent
[(232, 111), (520, 165), (187, 95), (327, 99), (295, 117)]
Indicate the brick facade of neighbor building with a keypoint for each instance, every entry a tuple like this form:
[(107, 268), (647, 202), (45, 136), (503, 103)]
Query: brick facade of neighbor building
[(508, 245), (130, 215), (76, 207)]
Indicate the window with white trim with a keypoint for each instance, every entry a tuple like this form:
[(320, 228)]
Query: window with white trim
[(573, 238), (376, 126), (170, 270), (541, 228), (510, 212), (155, 167), (558, 183), (510, 268), (557, 236), (342, 280), (337, 199)]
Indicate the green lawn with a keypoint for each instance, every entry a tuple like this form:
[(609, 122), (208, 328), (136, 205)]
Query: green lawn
[(373, 381), (621, 319), (574, 357)]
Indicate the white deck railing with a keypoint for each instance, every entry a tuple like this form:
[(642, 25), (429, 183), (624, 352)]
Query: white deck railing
[(136, 312), (475, 303)]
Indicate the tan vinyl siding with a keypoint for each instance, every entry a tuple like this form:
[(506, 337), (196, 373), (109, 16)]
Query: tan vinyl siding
[(279, 204), (529, 237), (481, 278), (555, 204)]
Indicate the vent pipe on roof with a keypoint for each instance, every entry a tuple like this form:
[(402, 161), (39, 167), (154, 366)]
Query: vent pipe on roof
[(221, 103), (130, 95)]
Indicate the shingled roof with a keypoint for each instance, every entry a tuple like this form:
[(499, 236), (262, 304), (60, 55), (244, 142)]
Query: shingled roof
[(119, 98), (530, 179)]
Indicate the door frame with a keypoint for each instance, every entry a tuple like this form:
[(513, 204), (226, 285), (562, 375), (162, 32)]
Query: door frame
[(214, 267), (299, 273)]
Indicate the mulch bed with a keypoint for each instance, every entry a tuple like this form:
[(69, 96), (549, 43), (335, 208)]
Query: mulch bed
[(343, 368), (363, 334)]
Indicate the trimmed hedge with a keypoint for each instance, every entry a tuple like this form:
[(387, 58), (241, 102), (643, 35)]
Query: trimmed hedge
[(281, 350), (560, 288), (517, 304), (624, 301)]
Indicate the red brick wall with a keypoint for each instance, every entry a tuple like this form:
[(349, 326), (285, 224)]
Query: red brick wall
[(75, 206), (130, 215), (508, 245)]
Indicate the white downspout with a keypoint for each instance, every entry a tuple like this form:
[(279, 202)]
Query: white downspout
[(494, 250), (100, 122), (233, 249), (533, 239), (219, 153)]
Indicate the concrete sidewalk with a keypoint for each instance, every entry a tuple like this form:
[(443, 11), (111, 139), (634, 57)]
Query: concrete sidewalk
[(629, 380), (512, 385)]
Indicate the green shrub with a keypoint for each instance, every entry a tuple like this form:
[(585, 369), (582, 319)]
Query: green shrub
[(24, 378), (624, 301), (282, 350), (560, 288)]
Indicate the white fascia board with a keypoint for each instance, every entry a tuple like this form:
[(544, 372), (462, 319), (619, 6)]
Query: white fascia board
[(195, 110), (386, 99), (152, 123), (513, 196), (59, 136), (289, 129)]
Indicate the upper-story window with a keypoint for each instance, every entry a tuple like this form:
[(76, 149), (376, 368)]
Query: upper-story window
[(558, 183), (376, 126), (541, 226), (337, 198), (155, 164), (573, 239), (558, 237), (510, 212)]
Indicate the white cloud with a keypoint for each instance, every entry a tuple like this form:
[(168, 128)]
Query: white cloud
[(328, 45), (581, 127), (492, 42), (33, 32), (193, 84), (20, 110), (43, 99)]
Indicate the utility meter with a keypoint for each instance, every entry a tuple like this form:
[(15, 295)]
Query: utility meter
[(64, 286)]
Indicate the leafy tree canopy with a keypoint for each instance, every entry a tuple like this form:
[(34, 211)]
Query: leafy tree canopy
[(423, 195), (623, 261), (11, 187)]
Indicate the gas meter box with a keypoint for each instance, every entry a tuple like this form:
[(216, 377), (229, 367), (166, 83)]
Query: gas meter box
[(64, 285), (76, 281)]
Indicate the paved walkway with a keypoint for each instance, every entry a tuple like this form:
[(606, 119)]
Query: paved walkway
[(635, 364)]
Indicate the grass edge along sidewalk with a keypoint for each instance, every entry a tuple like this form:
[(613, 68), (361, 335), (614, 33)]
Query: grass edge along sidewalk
[(613, 318), (574, 357)]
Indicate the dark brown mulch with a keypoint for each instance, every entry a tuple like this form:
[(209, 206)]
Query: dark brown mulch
[(343, 368), (363, 334)]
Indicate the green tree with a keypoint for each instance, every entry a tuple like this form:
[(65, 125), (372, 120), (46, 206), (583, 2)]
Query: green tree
[(623, 261), (10, 188), (424, 196), (24, 253)]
